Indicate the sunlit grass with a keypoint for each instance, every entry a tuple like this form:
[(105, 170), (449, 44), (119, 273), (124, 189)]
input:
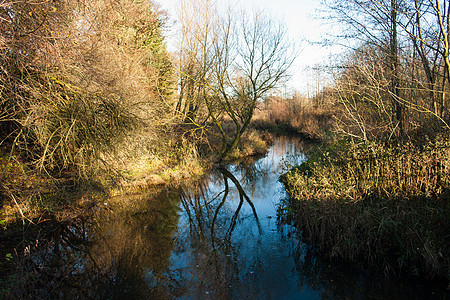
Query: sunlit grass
[(386, 206)]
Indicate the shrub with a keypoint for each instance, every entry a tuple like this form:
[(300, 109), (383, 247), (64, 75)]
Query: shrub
[(379, 204)]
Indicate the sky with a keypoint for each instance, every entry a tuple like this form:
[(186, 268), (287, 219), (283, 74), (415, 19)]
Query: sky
[(304, 28)]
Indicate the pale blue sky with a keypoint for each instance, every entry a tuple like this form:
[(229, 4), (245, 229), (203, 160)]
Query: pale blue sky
[(300, 17)]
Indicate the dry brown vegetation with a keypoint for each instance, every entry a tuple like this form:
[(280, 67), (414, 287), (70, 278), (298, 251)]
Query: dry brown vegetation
[(88, 97), (85, 95), (78, 78), (377, 193), (297, 114), (381, 205)]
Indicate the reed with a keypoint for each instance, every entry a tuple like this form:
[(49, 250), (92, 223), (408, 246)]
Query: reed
[(295, 115), (382, 205)]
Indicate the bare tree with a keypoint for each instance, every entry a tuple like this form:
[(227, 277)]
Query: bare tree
[(427, 24), (196, 19), (240, 60), (375, 24)]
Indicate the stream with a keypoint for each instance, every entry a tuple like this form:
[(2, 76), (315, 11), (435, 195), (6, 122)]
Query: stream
[(221, 238)]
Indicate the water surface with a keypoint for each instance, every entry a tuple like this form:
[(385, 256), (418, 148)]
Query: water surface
[(220, 238), (229, 243)]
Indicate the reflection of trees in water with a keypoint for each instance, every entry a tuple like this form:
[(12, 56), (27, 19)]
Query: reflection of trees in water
[(211, 225), (242, 196), (130, 253), (204, 210), (116, 254), (250, 173), (255, 174)]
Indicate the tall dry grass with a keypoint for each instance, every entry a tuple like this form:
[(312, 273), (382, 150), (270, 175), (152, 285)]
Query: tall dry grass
[(296, 114), (382, 205)]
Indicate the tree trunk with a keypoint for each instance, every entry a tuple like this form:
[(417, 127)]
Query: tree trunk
[(395, 82)]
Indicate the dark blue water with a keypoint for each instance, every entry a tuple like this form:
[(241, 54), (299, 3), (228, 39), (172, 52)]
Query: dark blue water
[(229, 243)]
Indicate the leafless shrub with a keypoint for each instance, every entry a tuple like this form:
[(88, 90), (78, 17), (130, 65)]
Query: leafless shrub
[(79, 76)]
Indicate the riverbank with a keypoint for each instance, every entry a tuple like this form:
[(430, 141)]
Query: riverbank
[(377, 205), (29, 193), (34, 203), (218, 237), (21, 241)]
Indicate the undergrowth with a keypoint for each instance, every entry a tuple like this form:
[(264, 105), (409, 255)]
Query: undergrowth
[(382, 205)]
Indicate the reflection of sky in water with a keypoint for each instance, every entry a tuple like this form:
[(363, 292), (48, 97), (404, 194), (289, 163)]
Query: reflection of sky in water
[(223, 251), (264, 187), (247, 261)]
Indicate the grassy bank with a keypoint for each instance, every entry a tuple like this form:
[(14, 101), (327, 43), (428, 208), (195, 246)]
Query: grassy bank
[(385, 206), (30, 195), (35, 205)]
